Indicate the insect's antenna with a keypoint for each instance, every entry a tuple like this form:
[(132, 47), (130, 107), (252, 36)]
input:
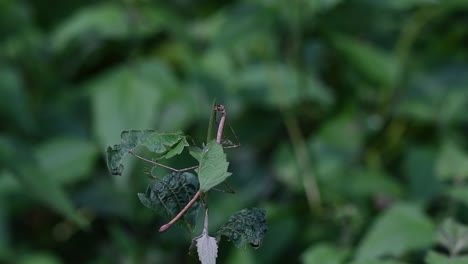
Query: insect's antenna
[(234, 133), (235, 136)]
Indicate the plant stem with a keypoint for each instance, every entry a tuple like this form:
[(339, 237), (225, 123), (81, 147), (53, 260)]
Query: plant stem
[(181, 213), (306, 175), (217, 108), (222, 109), (162, 165), (209, 134)]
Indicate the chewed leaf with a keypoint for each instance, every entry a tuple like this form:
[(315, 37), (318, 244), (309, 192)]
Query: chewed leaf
[(169, 195), (207, 249), (213, 166), (245, 226), (164, 145)]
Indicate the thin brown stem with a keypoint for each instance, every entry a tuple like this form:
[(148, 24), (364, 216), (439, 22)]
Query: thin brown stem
[(235, 136), (231, 190), (219, 135), (162, 165), (181, 213), (217, 108)]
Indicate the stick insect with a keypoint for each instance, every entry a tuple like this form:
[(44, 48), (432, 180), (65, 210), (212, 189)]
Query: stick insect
[(227, 144)]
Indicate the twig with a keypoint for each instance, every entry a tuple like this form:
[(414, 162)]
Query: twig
[(218, 108), (181, 213), (162, 165), (222, 109), (231, 190)]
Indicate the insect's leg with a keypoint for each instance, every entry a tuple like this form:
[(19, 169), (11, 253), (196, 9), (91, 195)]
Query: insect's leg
[(160, 164)]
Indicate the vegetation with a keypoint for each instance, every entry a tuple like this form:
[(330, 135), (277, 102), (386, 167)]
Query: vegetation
[(351, 114)]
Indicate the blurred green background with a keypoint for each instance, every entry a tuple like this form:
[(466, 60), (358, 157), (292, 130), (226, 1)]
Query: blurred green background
[(352, 115)]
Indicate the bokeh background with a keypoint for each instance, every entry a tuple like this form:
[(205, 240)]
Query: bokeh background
[(352, 115)]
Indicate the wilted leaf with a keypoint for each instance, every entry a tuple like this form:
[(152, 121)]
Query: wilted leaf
[(164, 145), (169, 196), (436, 258), (213, 166), (207, 249), (324, 254), (207, 246), (400, 229), (245, 226), (453, 236)]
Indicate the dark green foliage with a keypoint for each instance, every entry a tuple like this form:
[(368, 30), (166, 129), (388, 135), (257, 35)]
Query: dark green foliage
[(164, 145), (245, 226), (170, 194)]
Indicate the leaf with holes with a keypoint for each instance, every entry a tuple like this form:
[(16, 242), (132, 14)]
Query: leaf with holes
[(164, 145), (168, 197), (213, 166), (245, 226)]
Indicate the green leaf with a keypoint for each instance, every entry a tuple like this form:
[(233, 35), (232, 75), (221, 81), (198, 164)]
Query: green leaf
[(245, 256), (378, 261), (369, 183), (164, 145), (419, 171), (324, 254), (402, 5), (33, 181), (245, 226), (375, 64), (67, 160), (281, 85), (196, 152), (39, 258), (459, 193), (130, 97), (14, 105), (400, 229), (108, 21), (213, 166), (436, 258), (169, 196), (452, 162), (436, 96), (452, 236), (5, 233)]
